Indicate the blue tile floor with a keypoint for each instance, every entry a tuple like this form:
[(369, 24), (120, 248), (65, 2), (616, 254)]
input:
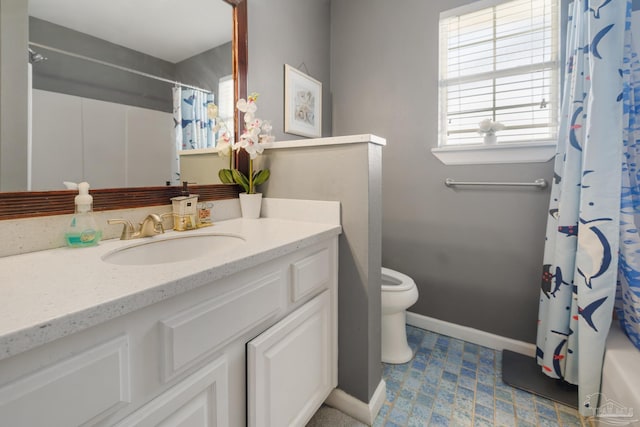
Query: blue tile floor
[(450, 382)]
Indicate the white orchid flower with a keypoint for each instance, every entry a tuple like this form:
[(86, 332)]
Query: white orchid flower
[(250, 142), (246, 106), (485, 125), (255, 124), (489, 127), (254, 150)]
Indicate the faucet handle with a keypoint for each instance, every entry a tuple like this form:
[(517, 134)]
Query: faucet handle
[(151, 225), (128, 231), (158, 226)]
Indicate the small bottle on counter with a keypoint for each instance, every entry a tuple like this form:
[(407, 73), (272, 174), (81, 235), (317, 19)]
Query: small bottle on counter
[(83, 230), (204, 213)]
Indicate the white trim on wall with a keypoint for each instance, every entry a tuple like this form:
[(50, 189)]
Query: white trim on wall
[(471, 335), (365, 412)]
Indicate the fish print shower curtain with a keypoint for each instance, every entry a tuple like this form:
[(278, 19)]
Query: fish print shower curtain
[(177, 136), (194, 128), (580, 257), (628, 298)]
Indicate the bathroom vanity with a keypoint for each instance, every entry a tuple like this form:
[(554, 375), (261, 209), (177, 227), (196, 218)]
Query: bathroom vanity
[(242, 334)]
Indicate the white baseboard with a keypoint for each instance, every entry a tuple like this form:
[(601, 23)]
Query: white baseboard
[(356, 408), (471, 335)]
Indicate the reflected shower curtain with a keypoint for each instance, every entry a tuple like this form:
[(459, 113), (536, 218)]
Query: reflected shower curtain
[(580, 257), (177, 136), (190, 114)]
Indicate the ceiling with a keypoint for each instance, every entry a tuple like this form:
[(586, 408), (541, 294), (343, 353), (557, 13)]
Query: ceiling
[(172, 30)]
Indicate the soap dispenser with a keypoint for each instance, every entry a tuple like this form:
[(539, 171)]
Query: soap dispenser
[(185, 215), (82, 230)]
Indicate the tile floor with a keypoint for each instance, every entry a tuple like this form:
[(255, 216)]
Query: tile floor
[(454, 383)]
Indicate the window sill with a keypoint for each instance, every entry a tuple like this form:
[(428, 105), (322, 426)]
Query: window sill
[(492, 154), (195, 151)]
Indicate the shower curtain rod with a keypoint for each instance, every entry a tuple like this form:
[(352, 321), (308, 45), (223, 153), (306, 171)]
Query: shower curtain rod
[(118, 67)]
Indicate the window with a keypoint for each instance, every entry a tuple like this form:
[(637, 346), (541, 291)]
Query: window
[(499, 61), (226, 107)]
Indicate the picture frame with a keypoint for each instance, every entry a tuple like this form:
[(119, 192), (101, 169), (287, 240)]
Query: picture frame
[(302, 103)]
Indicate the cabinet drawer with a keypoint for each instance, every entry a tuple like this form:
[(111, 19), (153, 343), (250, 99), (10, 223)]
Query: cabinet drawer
[(201, 330), (309, 274), (66, 394)]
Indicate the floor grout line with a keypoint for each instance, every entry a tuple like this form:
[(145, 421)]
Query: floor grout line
[(454, 383)]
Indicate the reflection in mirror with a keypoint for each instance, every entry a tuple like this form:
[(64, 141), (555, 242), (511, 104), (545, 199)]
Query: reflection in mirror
[(104, 75)]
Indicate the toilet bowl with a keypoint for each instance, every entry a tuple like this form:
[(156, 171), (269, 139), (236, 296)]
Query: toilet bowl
[(399, 292)]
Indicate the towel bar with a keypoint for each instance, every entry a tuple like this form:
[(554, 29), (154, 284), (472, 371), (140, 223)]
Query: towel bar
[(540, 183)]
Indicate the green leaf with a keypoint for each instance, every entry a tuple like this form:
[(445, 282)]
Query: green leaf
[(261, 177), (226, 177), (240, 179)]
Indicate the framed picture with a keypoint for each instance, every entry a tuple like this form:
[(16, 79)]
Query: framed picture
[(302, 103)]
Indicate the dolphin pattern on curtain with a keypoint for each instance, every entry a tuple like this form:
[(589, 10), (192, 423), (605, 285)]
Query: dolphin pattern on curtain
[(582, 237)]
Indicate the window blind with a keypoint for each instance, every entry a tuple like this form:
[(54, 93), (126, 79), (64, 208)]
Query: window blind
[(499, 62), (226, 107)]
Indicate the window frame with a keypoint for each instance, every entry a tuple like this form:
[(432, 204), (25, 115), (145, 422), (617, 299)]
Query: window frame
[(508, 152)]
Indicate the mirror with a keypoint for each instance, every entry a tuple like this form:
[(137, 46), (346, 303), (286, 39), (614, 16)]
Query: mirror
[(13, 133)]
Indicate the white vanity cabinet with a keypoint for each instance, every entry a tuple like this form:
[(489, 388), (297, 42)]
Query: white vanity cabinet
[(267, 334), (289, 367)]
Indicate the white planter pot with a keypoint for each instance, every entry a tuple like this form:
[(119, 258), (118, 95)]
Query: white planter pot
[(250, 205), (490, 139)]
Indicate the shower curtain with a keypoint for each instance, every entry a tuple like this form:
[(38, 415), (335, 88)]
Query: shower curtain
[(177, 136), (628, 298), (192, 126), (580, 257), (191, 120)]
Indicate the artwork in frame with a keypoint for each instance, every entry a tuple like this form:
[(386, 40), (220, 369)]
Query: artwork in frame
[(302, 103)]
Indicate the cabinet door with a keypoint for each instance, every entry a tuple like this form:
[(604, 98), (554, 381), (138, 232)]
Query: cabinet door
[(289, 367), (201, 400)]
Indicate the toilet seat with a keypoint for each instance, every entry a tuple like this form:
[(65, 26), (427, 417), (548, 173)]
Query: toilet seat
[(394, 281)]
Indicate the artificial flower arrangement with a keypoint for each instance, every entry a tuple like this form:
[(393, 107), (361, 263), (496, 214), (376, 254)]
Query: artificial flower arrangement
[(256, 132), (488, 127)]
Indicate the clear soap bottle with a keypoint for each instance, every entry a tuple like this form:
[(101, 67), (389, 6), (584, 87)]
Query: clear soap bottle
[(83, 230)]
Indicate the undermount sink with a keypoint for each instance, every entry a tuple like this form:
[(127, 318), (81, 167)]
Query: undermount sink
[(173, 249)]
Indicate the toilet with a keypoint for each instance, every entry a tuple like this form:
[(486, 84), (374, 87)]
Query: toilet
[(399, 292)]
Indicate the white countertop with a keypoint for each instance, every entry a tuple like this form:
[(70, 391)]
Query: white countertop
[(50, 294)]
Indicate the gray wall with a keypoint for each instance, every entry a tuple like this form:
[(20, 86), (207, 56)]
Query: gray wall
[(297, 32), (293, 32), (475, 254), (350, 174), (206, 69), (72, 76), (13, 102)]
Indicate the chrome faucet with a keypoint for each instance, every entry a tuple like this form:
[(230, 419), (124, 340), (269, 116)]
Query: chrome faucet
[(151, 226)]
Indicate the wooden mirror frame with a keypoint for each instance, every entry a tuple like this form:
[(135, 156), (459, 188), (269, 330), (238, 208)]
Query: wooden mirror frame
[(26, 204)]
